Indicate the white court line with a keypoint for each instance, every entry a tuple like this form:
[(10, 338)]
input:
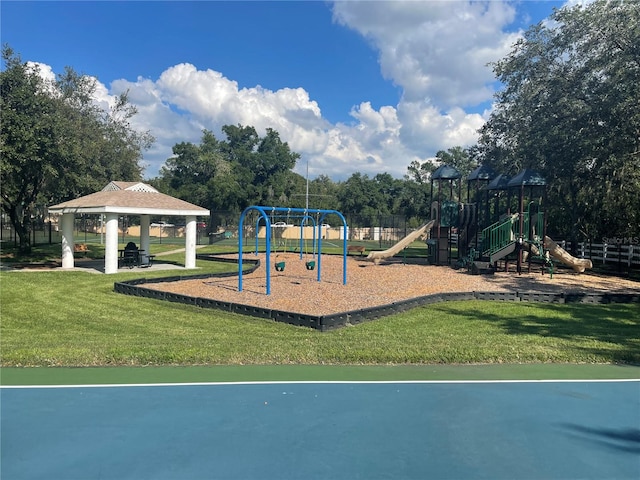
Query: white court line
[(323, 382)]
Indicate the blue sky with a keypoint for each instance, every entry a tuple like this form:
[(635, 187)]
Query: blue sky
[(352, 86)]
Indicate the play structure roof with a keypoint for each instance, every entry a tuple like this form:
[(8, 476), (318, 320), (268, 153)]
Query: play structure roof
[(498, 183), (130, 198), (446, 172), (483, 172), (527, 177)]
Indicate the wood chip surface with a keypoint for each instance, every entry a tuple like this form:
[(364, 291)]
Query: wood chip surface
[(297, 289)]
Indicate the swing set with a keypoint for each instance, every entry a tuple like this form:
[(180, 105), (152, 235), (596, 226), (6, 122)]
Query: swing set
[(268, 214), (309, 264)]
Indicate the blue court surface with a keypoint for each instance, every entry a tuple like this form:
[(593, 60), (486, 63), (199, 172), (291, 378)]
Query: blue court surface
[(324, 430)]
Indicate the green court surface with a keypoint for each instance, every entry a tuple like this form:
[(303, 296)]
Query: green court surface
[(245, 373)]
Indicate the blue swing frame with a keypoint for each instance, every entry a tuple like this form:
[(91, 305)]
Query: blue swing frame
[(264, 212)]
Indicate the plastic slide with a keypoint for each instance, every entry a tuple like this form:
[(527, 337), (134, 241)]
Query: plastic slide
[(398, 247), (556, 251), (579, 265)]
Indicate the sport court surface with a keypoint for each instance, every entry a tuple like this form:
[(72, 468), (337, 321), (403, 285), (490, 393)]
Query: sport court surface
[(326, 423)]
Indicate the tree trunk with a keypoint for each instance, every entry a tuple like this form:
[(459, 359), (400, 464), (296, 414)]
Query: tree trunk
[(20, 220)]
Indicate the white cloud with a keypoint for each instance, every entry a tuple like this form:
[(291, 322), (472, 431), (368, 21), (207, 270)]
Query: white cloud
[(45, 71), (184, 101), (436, 52)]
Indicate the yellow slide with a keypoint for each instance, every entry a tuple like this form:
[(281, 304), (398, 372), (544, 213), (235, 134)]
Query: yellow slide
[(579, 265), (398, 247), (556, 251)]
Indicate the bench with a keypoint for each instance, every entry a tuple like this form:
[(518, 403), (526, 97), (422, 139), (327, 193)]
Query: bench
[(356, 248), (81, 249)]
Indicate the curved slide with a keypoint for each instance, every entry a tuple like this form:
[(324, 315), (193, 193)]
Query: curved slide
[(579, 265), (556, 251), (398, 247)]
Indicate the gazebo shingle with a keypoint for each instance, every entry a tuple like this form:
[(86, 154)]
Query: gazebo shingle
[(131, 198)]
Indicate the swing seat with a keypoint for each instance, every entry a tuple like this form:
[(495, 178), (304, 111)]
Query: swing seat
[(280, 267), (311, 265)]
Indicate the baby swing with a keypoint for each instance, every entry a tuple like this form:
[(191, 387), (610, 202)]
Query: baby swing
[(310, 264), (280, 265)]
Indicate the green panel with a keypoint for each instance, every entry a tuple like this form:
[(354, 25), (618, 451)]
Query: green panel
[(449, 214)]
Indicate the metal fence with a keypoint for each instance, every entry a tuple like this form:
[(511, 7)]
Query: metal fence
[(89, 230)]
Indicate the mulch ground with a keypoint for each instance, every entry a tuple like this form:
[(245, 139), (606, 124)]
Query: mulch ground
[(296, 289)]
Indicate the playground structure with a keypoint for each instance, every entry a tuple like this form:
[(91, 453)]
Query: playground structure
[(506, 223), (506, 220), (267, 214)]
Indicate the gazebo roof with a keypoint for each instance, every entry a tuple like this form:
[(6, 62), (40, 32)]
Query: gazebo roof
[(130, 198)]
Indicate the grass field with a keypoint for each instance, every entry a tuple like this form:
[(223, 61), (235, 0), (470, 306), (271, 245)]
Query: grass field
[(56, 318)]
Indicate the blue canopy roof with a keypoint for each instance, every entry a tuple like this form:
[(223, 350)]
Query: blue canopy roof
[(446, 172), (483, 172), (498, 183), (527, 177)]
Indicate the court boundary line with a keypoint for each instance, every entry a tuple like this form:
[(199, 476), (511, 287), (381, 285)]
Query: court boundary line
[(317, 382)]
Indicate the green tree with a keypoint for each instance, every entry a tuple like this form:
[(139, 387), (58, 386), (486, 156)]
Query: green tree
[(458, 157), (229, 175), (55, 143), (414, 201), (386, 190), (369, 198), (323, 193), (354, 196), (272, 169), (570, 109), (420, 172)]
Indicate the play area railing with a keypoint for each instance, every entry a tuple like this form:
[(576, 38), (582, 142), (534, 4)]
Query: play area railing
[(498, 236)]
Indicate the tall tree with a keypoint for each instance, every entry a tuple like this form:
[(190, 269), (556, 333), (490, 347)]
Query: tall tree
[(420, 172), (458, 157), (229, 175), (570, 108), (323, 191), (55, 143), (355, 197)]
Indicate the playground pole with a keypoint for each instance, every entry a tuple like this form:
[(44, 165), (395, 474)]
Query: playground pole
[(262, 211)]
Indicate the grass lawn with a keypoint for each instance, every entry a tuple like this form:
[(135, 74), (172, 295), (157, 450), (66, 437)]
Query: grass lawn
[(58, 318)]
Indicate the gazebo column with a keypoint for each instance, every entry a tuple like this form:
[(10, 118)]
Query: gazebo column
[(190, 243), (67, 240), (145, 242), (111, 244)]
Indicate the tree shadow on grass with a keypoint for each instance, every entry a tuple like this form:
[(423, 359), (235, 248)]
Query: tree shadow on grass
[(564, 281), (615, 324)]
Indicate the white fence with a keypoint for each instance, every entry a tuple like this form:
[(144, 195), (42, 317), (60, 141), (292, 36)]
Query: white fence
[(607, 253)]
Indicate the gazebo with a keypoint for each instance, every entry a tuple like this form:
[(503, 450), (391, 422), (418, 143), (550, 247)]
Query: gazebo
[(127, 198)]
